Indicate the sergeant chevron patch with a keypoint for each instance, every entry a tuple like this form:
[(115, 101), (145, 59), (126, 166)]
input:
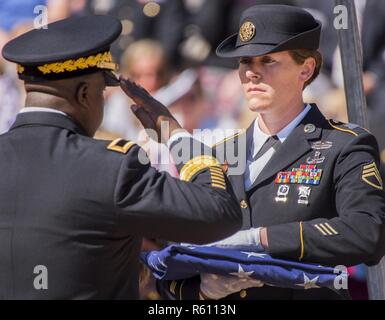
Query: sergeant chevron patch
[(371, 176)]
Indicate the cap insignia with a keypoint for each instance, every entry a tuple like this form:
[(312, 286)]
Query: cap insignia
[(247, 31)]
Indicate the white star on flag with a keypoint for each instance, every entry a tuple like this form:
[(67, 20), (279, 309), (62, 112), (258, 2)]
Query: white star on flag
[(242, 273), (309, 284), (254, 254)]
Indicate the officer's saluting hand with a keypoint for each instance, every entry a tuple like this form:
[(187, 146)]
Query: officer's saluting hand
[(150, 112)]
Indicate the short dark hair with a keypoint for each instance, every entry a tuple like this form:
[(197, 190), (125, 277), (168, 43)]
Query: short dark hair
[(300, 55)]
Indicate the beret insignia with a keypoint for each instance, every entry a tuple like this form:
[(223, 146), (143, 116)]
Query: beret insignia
[(247, 31)]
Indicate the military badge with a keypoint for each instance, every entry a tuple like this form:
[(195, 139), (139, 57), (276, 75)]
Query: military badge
[(305, 174), (371, 176), (321, 145), (309, 128), (317, 159), (303, 195), (247, 31), (283, 191)]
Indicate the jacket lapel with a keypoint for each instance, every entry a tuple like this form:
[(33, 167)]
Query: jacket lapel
[(294, 147), (238, 180)]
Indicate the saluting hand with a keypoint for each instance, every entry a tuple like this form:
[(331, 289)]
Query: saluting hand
[(150, 112)]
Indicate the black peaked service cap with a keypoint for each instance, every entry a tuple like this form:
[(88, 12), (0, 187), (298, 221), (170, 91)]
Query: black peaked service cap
[(67, 48)]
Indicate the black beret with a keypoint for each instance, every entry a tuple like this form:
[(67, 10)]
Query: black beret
[(66, 48), (272, 28)]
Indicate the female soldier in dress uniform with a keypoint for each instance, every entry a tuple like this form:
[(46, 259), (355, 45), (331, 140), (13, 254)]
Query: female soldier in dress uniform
[(310, 190)]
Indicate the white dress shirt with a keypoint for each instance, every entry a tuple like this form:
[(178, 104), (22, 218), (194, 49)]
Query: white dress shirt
[(39, 109)]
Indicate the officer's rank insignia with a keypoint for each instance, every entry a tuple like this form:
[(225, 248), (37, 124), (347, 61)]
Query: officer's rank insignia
[(303, 195), (282, 192), (247, 31), (317, 159), (120, 145), (321, 145), (305, 174), (371, 176)]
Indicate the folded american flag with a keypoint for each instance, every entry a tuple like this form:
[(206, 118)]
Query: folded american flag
[(180, 262)]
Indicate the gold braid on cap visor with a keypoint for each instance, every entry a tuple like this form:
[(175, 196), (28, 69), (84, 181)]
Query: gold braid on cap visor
[(101, 60)]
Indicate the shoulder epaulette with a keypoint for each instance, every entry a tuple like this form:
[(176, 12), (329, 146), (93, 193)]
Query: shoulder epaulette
[(350, 128), (120, 145), (229, 138)]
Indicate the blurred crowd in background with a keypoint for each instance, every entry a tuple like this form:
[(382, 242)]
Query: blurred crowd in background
[(168, 47)]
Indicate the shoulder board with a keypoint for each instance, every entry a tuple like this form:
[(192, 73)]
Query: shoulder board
[(350, 128), (229, 138), (120, 145)]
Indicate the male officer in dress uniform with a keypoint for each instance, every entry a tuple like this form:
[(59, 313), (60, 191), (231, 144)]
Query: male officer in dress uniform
[(311, 190), (73, 209)]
